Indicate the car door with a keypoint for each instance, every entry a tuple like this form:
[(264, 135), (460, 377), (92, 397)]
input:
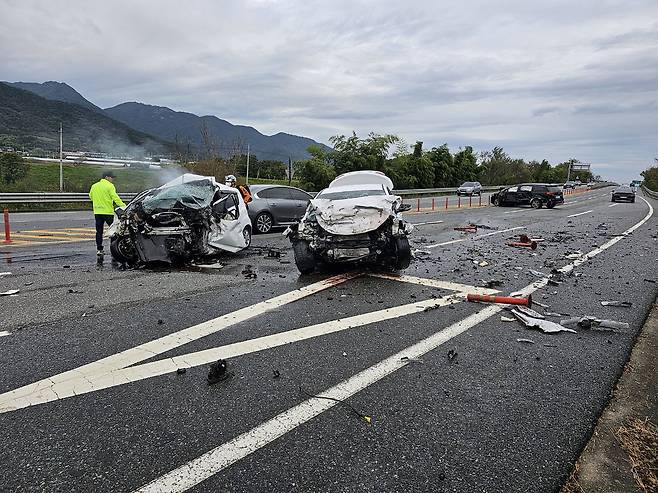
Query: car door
[(510, 195), (280, 203), (524, 195), (301, 200)]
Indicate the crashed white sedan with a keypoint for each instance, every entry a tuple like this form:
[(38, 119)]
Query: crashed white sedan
[(355, 219), (188, 218)]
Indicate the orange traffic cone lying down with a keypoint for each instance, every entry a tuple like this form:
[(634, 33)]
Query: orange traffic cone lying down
[(507, 300)]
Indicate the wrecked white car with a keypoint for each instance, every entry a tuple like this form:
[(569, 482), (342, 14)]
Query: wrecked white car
[(356, 219), (188, 218)]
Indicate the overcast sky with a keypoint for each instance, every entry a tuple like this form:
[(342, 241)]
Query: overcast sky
[(551, 79)]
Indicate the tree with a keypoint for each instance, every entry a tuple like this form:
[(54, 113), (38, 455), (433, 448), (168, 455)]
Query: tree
[(12, 167), (650, 176), (421, 167), (465, 164), (353, 154), (315, 173), (443, 165)]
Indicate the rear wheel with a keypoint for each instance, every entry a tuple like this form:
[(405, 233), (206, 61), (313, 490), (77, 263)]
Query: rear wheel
[(246, 233), (535, 204), (304, 257), (402, 253), (264, 222), (123, 250)]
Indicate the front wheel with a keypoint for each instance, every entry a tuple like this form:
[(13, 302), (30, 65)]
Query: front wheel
[(123, 250), (402, 253), (264, 222), (304, 257), (535, 204), (495, 201)]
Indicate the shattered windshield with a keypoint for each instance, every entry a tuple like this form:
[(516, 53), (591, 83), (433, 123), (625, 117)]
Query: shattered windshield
[(349, 194), (194, 194)]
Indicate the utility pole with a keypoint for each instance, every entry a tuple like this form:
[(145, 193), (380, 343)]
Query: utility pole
[(247, 178), (289, 170), (61, 170), (569, 171)]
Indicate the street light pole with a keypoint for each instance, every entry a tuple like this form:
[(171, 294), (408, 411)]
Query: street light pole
[(61, 171), (247, 178)]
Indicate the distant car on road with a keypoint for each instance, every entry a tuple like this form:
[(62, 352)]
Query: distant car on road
[(569, 184), (276, 205), (533, 194), (470, 188), (623, 193)]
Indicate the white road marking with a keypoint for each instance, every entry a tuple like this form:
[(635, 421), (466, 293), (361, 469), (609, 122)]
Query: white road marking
[(427, 222), (4, 333), (194, 472), (478, 237), (580, 213), (437, 283), (613, 205), (42, 391), (515, 210)]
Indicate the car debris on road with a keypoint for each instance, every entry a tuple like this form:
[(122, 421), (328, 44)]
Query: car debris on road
[(545, 326), (355, 219), (623, 304), (191, 217), (11, 292), (593, 323)]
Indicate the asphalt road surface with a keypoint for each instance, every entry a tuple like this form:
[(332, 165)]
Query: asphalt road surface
[(437, 394)]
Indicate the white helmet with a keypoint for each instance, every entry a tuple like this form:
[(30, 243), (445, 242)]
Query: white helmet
[(230, 179)]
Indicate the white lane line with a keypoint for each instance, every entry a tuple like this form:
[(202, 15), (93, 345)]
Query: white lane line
[(436, 283), (514, 211), (497, 232), (194, 472), (446, 243), (42, 390), (580, 213), (427, 222), (613, 205), (4, 333)]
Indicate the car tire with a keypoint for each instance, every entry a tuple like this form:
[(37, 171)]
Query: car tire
[(402, 253), (122, 250), (495, 201), (632, 201), (535, 204), (264, 222), (612, 199), (246, 234), (304, 258), (550, 205)]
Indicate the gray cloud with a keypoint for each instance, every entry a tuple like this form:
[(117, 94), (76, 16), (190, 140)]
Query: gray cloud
[(550, 80)]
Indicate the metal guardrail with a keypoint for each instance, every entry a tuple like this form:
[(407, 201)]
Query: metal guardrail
[(650, 193), (51, 197)]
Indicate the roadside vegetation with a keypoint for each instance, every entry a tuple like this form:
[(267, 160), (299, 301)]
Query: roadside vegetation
[(650, 176)]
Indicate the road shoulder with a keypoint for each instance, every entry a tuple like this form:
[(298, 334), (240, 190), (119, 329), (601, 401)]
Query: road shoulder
[(631, 416)]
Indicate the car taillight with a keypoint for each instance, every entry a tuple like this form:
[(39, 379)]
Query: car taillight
[(550, 194)]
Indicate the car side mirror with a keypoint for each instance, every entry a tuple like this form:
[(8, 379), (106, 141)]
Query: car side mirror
[(404, 207)]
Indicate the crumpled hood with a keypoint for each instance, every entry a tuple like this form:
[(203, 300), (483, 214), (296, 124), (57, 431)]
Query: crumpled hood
[(354, 216)]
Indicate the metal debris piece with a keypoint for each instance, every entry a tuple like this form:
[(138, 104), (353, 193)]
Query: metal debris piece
[(540, 304), (408, 359), (545, 326), (624, 304), (573, 256), (10, 292), (484, 263), (276, 374), (218, 372), (529, 341), (452, 354), (553, 314), (471, 228), (273, 253), (181, 371), (509, 300), (493, 283), (593, 323), (536, 273), (530, 312), (507, 319), (5, 274)]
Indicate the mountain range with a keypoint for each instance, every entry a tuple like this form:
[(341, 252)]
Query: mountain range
[(157, 129)]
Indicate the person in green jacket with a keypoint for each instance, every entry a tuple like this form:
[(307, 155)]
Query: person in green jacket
[(104, 196)]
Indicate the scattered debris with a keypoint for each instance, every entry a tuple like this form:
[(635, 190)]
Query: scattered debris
[(276, 374), (4, 333), (507, 319), (364, 417), (650, 280), (540, 304), (471, 228), (11, 292), (493, 283), (216, 265), (218, 372), (573, 256), (2, 274), (75, 291), (408, 359), (248, 273), (160, 321), (531, 244), (593, 323), (344, 353), (624, 304), (530, 312), (529, 341), (545, 326), (484, 263), (554, 314), (452, 354), (536, 273), (271, 253), (509, 300), (181, 371)]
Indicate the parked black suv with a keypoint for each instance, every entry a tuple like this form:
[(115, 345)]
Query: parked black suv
[(533, 194)]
